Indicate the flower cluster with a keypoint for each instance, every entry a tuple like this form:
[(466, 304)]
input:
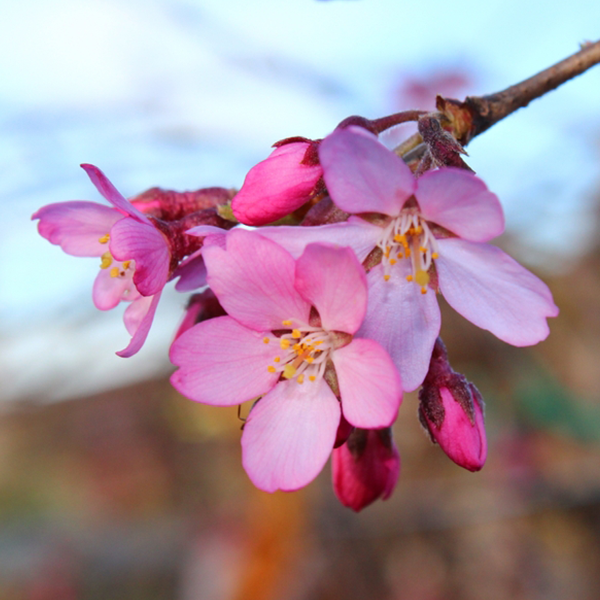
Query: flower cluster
[(323, 325)]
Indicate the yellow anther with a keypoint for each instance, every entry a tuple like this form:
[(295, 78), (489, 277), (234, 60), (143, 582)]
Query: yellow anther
[(266, 340), (287, 323), (423, 290), (104, 239), (271, 369), (407, 250), (106, 260), (300, 379), (387, 252), (409, 278), (296, 334), (435, 255), (393, 261), (401, 239), (126, 264), (289, 371), (114, 272), (318, 343), (309, 359), (297, 348), (400, 255), (277, 359), (284, 343), (386, 277), (422, 249), (418, 229), (312, 377)]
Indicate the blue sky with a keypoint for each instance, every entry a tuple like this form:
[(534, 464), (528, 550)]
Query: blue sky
[(185, 94)]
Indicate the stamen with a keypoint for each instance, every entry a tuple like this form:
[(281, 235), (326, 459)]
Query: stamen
[(266, 340), (114, 272), (277, 359), (106, 260), (296, 334), (126, 264), (284, 343), (104, 239), (409, 278), (286, 323), (271, 369), (289, 371), (312, 378), (300, 379)]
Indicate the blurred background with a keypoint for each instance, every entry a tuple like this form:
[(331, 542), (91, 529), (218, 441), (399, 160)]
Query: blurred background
[(112, 485)]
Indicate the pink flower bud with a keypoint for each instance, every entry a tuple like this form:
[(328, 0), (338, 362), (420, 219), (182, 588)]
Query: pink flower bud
[(200, 308), (451, 410), (365, 468), (278, 185)]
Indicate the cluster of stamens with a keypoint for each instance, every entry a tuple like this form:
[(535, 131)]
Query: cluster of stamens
[(409, 237), (304, 353), (107, 261)]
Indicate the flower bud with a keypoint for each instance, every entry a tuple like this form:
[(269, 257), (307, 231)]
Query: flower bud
[(200, 307), (451, 410), (279, 184), (365, 468)]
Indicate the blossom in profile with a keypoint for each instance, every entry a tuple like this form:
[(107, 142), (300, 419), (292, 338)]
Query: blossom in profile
[(451, 410), (365, 468), (289, 341), (429, 235), (134, 255), (279, 184)]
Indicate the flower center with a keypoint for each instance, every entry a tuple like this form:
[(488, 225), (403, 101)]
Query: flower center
[(304, 353), (117, 269), (408, 237)]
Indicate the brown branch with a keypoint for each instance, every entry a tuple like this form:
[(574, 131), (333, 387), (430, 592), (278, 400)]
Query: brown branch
[(478, 113)]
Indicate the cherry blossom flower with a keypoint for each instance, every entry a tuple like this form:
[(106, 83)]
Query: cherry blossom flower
[(429, 235), (290, 328), (278, 185), (365, 468), (135, 255)]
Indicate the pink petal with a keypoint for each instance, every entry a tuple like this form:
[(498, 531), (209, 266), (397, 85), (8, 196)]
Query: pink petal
[(191, 273), (356, 233), (109, 291), (223, 363), (289, 435), (143, 243), (77, 226), (138, 319), (276, 186), (460, 202), (204, 230), (493, 291), (334, 282), (404, 321), (110, 192), (362, 175), (370, 386), (254, 281)]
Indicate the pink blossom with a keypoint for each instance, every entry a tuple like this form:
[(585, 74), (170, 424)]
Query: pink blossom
[(290, 326), (431, 233), (365, 468), (451, 410), (278, 185), (135, 255)]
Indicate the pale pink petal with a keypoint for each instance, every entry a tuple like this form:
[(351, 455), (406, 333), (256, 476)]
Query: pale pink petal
[(334, 282), (404, 321), (108, 291), (356, 233), (138, 319), (110, 192), (493, 291), (143, 243), (77, 226), (289, 435), (370, 386), (223, 363), (254, 281), (191, 273), (362, 175), (276, 186), (460, 202), (204, 230)]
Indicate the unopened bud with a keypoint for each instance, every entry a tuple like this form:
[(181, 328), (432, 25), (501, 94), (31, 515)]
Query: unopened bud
[(200, 307), (451, 409), (365, 468)]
